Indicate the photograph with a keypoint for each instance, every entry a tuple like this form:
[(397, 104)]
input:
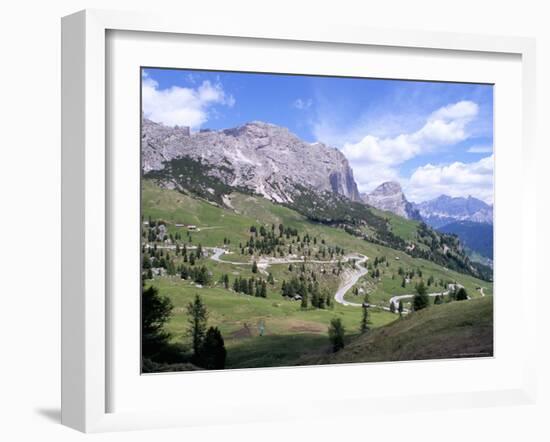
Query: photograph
[(302, 220)]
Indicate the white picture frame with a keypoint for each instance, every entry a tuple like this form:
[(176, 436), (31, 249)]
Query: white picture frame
[(85, 202)]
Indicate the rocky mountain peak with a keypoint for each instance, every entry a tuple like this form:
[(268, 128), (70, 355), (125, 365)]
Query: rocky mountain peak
[(389, 197), (262, 157), (388, 188)]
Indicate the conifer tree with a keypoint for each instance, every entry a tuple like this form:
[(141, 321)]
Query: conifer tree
[(421, 299), (197, 317), (365, 315), (213, 352), (336, 333)]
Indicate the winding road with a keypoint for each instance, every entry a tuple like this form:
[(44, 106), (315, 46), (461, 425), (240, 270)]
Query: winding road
[(350, 277)]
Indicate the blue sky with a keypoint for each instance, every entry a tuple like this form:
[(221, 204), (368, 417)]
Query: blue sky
[(431, 137)]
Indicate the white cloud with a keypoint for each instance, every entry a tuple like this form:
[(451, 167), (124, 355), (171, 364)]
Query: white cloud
[(480, 149), (381, 155), (302, 104), (180, 105), (456, 179), (372, 175)]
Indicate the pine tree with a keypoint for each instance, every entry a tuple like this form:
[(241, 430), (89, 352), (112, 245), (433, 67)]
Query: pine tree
[(213, 352), (328, 299), (197, 317), (400, 309), (263, 291), (301, 288), (254, 267), (156, 310), (421, 299), (226, 280), (303, 304), (461, 294), (365, 318), (315, 296), (336, 334)]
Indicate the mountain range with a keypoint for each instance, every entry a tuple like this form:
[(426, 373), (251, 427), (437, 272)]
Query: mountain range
[(445, 210), (265, 159), (271, 161), (313, 178)]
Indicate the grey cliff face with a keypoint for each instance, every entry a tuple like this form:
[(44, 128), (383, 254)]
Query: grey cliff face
[(262, 157), (389, 197)]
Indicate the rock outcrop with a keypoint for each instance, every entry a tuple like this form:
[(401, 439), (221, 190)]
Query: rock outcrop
[(264, 158), (390, 197)]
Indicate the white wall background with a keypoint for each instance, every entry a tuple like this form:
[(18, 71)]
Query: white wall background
[(30, 219)]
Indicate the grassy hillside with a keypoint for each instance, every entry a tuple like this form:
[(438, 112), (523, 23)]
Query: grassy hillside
[(274, 331), (289, 332), (418, 240), (216, 223), (455, 330)]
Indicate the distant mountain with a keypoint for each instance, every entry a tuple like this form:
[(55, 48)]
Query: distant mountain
[(389, 196), (263, 158), (445, 210), (475, 236)]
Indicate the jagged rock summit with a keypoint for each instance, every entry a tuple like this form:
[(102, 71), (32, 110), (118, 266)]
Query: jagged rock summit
[(444, 210), (389, 196), (262, 157)]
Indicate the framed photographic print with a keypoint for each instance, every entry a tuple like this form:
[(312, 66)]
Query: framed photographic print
[(257, 212), (265, 247)]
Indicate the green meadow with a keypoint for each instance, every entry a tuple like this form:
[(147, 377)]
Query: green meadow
[(277, 331)]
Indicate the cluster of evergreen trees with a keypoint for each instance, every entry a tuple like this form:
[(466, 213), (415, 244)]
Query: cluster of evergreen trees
[(208, 345), (421, 299), (308, 291), (158, 352), (200, 275), (282, 240), (252, 286), (156, 257), (189, 256), (267, 241)]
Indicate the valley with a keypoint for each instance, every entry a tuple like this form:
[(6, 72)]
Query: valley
[(324, 262)]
